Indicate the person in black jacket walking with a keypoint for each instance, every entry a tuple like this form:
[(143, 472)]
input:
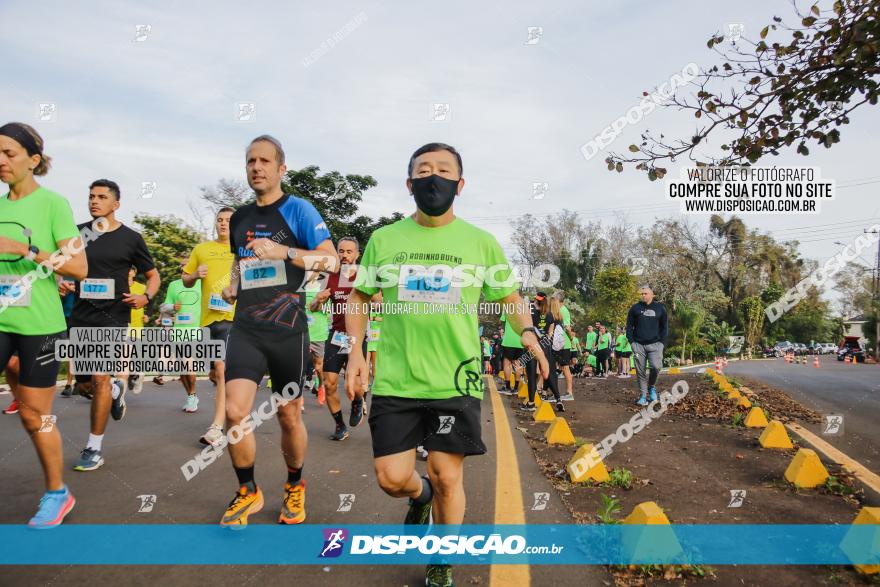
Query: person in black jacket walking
[(647, 325)]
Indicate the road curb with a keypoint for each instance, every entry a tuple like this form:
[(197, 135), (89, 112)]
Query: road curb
[(862, 473)]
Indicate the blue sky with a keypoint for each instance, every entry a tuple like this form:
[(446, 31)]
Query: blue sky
[(164, 109)]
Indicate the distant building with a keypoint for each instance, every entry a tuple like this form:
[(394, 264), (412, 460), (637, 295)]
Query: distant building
[(853, 327)]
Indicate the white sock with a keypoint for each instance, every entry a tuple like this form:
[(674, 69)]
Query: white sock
[(115, 388), (95, 441)]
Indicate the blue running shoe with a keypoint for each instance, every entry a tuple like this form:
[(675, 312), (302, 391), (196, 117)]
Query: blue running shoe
[(54, 506), (653, 394), (642, 401)]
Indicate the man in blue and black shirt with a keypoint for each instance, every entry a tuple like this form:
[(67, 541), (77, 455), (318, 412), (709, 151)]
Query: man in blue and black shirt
[(647, 325)]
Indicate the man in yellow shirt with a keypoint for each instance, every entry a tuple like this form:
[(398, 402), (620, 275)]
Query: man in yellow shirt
[(211, 262), (138, 319)]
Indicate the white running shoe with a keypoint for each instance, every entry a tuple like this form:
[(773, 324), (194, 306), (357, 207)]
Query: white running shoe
[(192, 404), (212, 436)]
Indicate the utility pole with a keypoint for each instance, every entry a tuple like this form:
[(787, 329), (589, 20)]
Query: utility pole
[(875, 299)]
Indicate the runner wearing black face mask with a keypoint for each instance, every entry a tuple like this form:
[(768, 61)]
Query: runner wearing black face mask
[(434, 194), (428, 388)]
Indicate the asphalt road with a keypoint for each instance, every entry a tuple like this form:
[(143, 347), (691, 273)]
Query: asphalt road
[(144, 454), (835, 388)]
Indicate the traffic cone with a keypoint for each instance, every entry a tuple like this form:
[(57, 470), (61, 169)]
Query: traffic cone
[(846, 359), (816, 361)]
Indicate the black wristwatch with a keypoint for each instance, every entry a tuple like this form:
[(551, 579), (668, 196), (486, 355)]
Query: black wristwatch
[(533, 330)]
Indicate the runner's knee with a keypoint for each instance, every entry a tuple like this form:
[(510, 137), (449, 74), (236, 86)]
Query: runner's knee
[(392, 479), (289, 419), (446, 481), (30, 419), (235, 412)]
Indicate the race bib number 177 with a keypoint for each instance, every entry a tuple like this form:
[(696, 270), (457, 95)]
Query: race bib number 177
[(418, 284)]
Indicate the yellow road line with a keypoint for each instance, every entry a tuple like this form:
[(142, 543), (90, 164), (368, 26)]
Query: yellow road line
[(861, 472), (509, 508)]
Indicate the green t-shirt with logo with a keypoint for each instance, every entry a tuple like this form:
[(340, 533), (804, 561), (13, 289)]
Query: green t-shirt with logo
[(319, 324), (576, 343), (190, 299), (510, 339), (42, 218), (622, 344), (591, 361), (604, 341), (566, 321), (430, 344), (591, 340)]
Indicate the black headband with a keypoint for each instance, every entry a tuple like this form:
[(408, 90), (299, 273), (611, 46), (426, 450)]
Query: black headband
[(15, 131)]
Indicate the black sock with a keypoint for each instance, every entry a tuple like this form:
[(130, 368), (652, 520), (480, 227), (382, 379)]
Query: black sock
[(427, 493), (246, 477), (338, 417), (294, 476)]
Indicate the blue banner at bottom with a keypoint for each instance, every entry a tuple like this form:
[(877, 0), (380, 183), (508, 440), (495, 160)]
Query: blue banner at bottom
[(314, 544)]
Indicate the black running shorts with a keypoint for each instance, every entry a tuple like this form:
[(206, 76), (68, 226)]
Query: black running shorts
[(334, 361), (512, 353), (220, 331), (284, 355), (36, 355), (562, 357), (452, 425)]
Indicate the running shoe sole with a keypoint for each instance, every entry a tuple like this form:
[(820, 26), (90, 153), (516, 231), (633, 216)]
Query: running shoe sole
[(339, 438), (97, 465)]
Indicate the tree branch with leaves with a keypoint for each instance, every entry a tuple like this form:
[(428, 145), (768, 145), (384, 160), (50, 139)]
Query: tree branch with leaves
[(769, 96)]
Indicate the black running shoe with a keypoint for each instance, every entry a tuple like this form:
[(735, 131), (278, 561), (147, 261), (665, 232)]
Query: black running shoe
[(340, 434), (418, 513), (117, 408), (439, 576), (358, 409)]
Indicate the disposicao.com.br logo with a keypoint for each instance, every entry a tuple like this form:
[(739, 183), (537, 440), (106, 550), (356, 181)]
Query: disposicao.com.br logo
[(451, 544)]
